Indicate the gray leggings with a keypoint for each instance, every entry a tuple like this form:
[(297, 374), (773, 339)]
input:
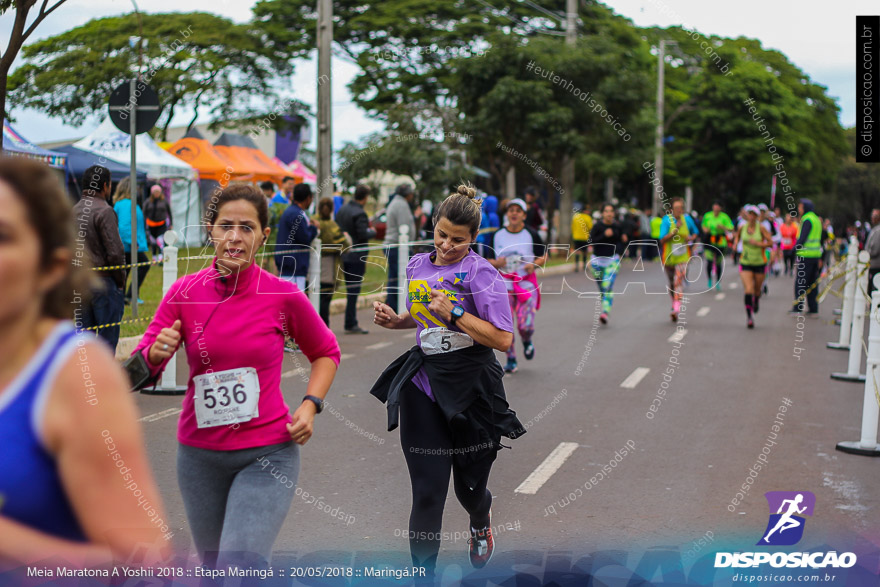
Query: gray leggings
[(236, 500)]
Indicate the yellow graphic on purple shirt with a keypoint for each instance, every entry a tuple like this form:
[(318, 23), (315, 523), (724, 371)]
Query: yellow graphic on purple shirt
[(420, 297)]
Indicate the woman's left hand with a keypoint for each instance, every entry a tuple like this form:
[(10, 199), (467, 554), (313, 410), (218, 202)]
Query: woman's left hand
[(440, 305), (303, 421)]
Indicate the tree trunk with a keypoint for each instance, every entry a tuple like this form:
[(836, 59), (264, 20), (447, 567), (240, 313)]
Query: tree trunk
[(3, 78)]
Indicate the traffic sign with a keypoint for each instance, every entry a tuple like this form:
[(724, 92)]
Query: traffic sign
[(145, 100)]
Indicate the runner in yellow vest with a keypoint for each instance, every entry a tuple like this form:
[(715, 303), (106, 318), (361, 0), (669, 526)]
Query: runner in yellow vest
[(677, 233)]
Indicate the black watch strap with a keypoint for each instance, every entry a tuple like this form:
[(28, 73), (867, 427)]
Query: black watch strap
[(319, 403)]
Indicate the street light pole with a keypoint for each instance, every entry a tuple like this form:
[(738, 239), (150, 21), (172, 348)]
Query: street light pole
[(325, 135), (658, 136), (565, 200)]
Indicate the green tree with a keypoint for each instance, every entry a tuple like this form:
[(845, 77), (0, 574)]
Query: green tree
[(196, 60), (20, 32), (719, 147), (431, 158)]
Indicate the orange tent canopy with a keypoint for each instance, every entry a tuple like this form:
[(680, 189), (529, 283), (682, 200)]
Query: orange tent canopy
[(210, 164), (245, 153)]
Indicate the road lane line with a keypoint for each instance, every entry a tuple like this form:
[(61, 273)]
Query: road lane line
[(677, 336), (293, 372), (703, 311), (720, 296), (545, 470), (733, 286), (346, 356), (634, 377), (378, 345), (160, 415)]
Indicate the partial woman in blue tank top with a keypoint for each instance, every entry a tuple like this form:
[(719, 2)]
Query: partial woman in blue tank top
[(75, 482)]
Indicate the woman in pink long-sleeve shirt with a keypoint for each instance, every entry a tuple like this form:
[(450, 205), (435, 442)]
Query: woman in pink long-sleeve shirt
[(238, 458)]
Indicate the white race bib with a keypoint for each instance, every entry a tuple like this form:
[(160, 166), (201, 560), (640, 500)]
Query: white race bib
[(442, 340), (227, 397)]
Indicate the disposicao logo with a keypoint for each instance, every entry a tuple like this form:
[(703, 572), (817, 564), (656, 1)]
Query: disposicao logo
[(785, 528)]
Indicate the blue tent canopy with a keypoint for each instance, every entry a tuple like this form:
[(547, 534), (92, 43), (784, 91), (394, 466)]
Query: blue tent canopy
[(78, 161), (16, 145)]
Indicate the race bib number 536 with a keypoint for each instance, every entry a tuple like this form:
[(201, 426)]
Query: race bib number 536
[(227, 397)]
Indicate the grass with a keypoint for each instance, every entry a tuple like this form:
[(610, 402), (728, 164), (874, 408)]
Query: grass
[(151, 289)]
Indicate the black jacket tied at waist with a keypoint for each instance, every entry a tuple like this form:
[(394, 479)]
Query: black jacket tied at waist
[(467, 387)]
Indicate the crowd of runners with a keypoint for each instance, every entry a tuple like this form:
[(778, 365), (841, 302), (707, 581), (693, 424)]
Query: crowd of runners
[(446, 393)]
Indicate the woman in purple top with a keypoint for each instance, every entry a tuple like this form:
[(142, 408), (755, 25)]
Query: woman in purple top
[(447, 389)]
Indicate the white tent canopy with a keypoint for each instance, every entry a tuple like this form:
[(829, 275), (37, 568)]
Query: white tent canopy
[(109, 142)]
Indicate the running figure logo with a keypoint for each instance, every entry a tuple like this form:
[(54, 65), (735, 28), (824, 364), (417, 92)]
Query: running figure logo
[(786, 526)]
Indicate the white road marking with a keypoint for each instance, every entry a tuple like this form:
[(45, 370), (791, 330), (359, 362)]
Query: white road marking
[(703, 311), (160, 415), (720, 296), (545, 470), (293, 372), (733, 286), (378, 345), (346, 356), (677, 336), (634, 377)]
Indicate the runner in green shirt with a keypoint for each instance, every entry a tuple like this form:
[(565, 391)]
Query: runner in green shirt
[(755, 239), (718, 228)]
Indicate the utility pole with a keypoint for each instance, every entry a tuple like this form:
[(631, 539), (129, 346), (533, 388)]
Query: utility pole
[(658, 136), (565, 200), (325, 135)]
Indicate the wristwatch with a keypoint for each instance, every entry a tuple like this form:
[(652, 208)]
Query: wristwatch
[(319, 403), (457, 312)]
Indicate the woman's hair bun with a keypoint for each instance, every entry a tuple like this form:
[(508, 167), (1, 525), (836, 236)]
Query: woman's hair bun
[(466, 190)]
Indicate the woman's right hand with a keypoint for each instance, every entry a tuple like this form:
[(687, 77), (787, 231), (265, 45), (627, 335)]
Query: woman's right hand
[(385, 316), (166, 344)]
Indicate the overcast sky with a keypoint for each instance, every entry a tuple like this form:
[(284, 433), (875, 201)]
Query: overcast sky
[(816, 35)]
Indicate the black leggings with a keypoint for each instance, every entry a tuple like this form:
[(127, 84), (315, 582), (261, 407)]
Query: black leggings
[(788, 258), (426, 441), (715, 265)]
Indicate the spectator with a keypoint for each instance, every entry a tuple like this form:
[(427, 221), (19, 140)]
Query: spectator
[(277, 206), (295, 233), (656, 223), (808, 252), (99, 228), (159, 221), (268, 189), (534, 215), (352, 219), (581, 225), (333, 239), (285, 194), (398, 213), (872, 245), (122, 207)]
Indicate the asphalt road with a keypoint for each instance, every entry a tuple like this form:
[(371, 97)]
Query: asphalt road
[(682, 468)]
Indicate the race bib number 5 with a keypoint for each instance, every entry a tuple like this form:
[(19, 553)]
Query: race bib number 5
[(442, 340), (227, 397)]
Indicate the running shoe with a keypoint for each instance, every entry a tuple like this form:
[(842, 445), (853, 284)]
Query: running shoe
[(510, 367), (718, 285), (603, 318), (750, 323), (529, 350), (482, 545)]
